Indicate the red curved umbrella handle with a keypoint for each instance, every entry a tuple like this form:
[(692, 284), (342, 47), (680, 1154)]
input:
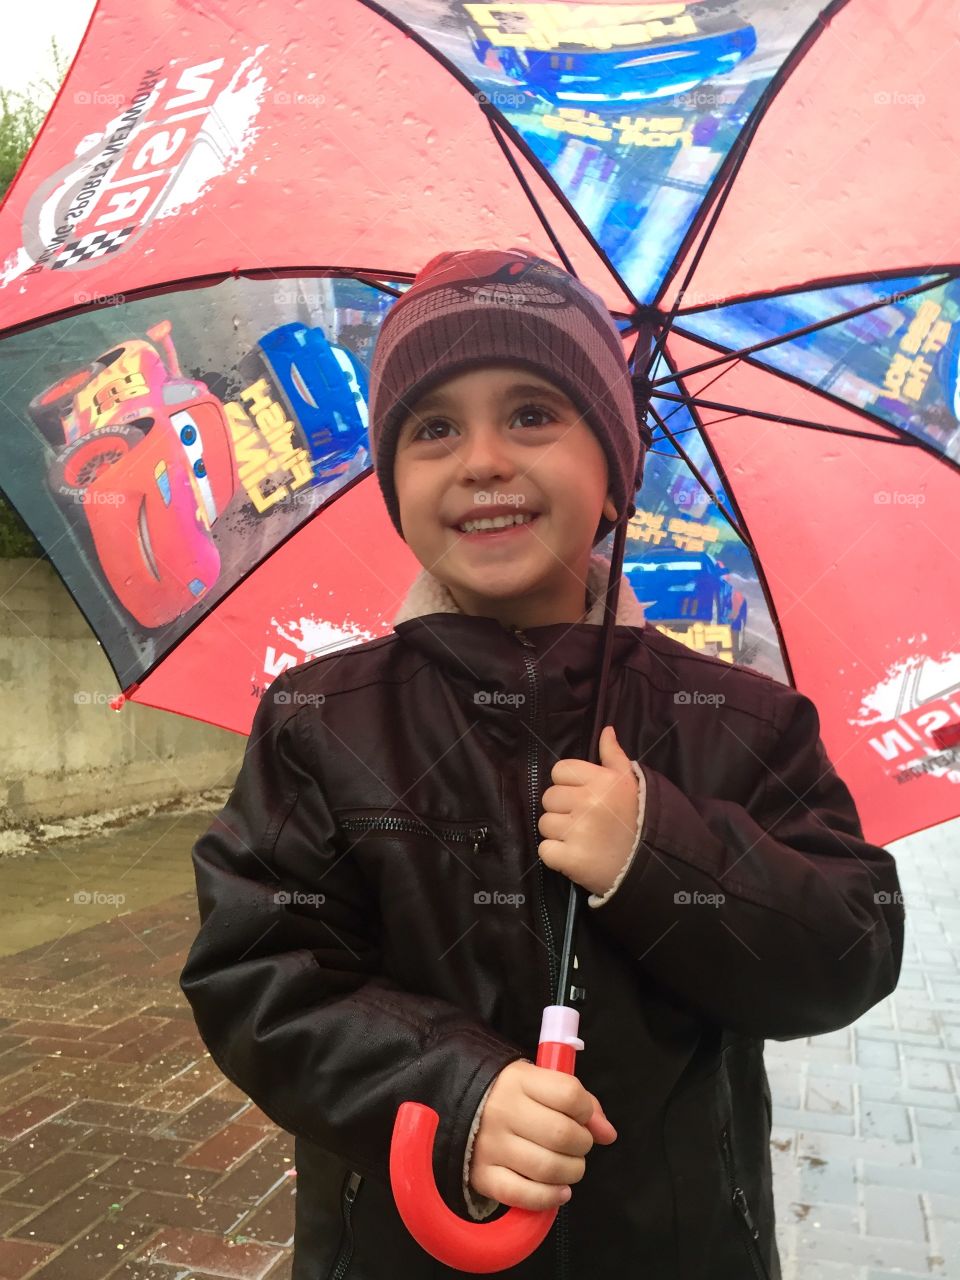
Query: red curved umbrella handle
[(467, 1245)]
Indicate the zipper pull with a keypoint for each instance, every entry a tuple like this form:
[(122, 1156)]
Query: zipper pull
[(522, 636), (740, 1200), (352, 1185), (576, 994)]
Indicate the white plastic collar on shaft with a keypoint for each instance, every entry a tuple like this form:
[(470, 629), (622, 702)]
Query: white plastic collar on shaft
[(560, 1025)]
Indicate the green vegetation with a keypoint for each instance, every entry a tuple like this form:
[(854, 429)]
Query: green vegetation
[(21, 115)]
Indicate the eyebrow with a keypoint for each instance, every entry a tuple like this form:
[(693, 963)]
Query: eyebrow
[(439, 397)]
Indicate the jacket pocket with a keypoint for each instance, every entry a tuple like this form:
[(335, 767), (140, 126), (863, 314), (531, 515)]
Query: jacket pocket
[(474, 835), (751, 1232), (345, 1252)]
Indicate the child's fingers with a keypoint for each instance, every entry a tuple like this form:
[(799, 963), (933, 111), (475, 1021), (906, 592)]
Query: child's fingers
[(601, 1128), (513, 1189)]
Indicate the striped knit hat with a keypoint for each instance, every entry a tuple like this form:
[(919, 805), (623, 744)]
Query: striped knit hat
[(470, 307)]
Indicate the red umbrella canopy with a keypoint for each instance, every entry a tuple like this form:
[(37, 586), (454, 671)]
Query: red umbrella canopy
[(225, 200)]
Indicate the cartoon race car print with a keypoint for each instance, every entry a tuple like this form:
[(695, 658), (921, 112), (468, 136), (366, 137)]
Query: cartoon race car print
[(602, 64), (683, 587), (146, 454)]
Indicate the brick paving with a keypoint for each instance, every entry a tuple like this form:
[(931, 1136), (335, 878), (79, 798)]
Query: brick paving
[(123, 1150), (124, 1153), (866, 1120)]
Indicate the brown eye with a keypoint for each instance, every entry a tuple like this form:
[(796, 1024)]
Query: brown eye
[(432, 422), (537, 409)]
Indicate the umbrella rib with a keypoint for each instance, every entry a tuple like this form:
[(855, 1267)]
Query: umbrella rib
[(544, 220), (702, 481), (715, 198), (733, 411), (501, 128), (814, 327)]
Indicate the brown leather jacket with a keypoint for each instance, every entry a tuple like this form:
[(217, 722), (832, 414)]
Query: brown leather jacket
[(377, 926)]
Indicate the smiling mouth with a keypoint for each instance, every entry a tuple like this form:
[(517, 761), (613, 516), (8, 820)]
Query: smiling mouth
[(515, 527)]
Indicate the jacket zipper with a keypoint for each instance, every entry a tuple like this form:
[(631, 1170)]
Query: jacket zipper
[(534, 777), (743, 1209), (477, 835), (346, 1206)]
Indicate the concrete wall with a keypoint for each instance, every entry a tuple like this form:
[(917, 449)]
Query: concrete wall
[(62, 758)]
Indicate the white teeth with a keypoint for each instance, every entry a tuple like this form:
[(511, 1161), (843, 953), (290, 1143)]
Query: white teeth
[(497, 522)]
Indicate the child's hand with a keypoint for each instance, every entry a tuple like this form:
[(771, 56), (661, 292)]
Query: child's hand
[(590, 816), (535, 1129)]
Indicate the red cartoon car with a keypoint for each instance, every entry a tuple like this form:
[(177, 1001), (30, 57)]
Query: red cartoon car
[(147, 453)]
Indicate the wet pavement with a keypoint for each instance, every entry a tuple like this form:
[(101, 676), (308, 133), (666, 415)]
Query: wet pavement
[(124, 1153)]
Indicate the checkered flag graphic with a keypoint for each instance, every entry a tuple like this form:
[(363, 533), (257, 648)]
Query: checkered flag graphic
[(95, 245)]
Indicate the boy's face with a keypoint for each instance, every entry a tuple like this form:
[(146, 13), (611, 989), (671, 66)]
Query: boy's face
[(510, 442)]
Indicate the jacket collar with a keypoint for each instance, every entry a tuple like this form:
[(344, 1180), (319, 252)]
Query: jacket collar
[(486, 660), (427, 594)]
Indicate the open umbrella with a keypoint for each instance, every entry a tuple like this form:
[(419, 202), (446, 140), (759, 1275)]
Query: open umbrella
[(225, 199)]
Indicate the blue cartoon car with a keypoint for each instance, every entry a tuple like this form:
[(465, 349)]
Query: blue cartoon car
[(682, 587), (325, 387), (578, 75)]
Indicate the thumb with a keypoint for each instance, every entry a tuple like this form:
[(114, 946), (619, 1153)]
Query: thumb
[(612, 755), (601, 1130)]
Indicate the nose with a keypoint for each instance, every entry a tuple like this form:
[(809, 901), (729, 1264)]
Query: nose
[(485, 455)]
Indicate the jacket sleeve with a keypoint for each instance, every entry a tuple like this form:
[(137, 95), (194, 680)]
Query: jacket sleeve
[(773, 917), (283, 977), (480, 1207)]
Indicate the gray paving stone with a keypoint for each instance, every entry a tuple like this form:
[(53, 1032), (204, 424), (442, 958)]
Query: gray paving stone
[(872, 1052), (825, 1093), (923, 1074), (939, 1149), (927, 1099), (873, 1274), (827, 1182), (819, 1269), (944, 1206), (893, 1212), (936, 1118), (837, 1146), (857, 1250), (818, 1121), (944, 1182), (885, 1120), (825, 1216)]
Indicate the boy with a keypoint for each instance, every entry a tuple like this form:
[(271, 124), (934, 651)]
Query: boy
[(382, 898)]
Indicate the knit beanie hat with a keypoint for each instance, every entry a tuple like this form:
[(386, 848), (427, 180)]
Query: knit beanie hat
[(469, 307)]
